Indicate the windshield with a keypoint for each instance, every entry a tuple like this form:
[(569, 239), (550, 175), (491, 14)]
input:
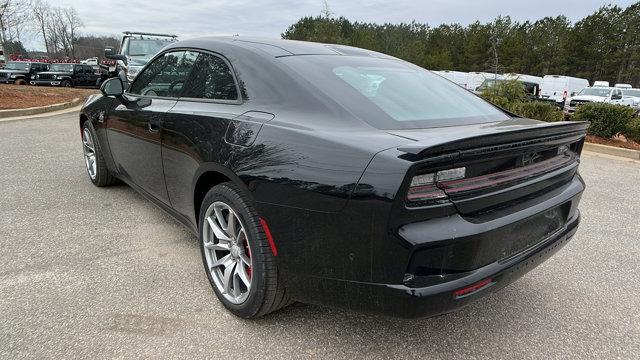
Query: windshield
[(631, 92), (17, 65), (391, 94), (147, 47), (602, 92), (61, 67)]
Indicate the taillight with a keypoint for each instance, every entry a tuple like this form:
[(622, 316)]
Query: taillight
[(423, 188)]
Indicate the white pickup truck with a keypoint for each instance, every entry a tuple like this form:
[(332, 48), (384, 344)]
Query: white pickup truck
[(597, 94)]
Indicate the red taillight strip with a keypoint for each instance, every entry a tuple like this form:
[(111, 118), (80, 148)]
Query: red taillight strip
[(503, 177), (267, 233), (473, 288), (425, 192)]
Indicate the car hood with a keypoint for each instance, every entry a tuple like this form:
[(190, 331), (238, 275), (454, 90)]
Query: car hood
[(138, 60), (55, 73), (589, 98), (13, 71)]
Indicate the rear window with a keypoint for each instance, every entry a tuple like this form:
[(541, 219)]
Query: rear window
[(392, 94)]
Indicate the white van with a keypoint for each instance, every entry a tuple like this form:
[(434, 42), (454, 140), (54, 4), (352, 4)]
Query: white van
[(558, 87), (475, 79), (600, 83), (623, 86), (457, 77)]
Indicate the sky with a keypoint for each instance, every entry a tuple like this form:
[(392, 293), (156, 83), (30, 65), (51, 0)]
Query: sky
[(269, 18)]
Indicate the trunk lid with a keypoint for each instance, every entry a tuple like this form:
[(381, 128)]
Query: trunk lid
[(502, 163)]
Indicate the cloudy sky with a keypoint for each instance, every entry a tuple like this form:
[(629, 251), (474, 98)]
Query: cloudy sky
[(269, 18)]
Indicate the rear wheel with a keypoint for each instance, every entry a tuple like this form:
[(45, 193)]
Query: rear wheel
[(66, 83), (236, 254), (21, 82), (93, 159)]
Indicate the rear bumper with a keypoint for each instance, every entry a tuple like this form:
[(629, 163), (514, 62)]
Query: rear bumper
[(410, 302), (452, 253)]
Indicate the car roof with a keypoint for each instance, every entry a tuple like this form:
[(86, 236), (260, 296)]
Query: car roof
[(275, 47)]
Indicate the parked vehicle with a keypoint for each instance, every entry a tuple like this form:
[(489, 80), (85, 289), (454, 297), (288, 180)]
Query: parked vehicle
[(136, 49), (597, 94), (634, 95), (20, 72), (558, 88), (532, 89), (457, 77), (343, 177), (3, 60), (67, 75), (601, 83), (475, 79), (623, 86)]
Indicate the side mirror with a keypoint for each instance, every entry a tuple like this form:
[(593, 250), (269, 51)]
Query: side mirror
[(112, 87), (110, 53)]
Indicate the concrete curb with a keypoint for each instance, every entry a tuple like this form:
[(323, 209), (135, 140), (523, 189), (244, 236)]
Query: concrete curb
[(612, 150), (40, 109)]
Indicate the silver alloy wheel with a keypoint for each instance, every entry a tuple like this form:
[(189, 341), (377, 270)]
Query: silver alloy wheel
[(226, 249), (89, 151)]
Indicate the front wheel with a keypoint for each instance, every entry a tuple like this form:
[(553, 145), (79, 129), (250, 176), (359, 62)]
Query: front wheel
[(21, 82), (67, 84), (94, 161), (236, 254)]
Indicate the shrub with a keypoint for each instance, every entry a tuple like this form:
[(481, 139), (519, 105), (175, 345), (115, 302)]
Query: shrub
[(537, 110), (503, 93), (632, 130), (606, 120)]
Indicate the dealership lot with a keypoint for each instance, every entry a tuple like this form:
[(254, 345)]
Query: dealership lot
[(90, 272)]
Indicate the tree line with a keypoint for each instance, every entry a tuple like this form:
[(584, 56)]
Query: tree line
[(602, 46), (58, 28)]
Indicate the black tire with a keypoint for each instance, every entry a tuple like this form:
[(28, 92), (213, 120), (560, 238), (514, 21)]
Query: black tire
[(103, 175), (267, 293), (21, 82), (66, 83)]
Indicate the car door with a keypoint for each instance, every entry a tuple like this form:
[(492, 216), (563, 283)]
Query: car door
[(78, 75), (133, 126), (616, 96), (195, 128), (86, 70)]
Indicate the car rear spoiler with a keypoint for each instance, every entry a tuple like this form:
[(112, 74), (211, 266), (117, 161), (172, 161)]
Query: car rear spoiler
[(456, 140)]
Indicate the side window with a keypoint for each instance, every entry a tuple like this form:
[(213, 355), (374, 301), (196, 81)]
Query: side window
[(211, 79), (88, 69), (166, 75)]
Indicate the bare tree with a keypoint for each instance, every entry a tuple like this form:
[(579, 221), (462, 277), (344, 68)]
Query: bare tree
[(40, 12), (13, 14), (73, 24)]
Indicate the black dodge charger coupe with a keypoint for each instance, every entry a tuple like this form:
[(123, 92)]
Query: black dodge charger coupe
[(334, 175)]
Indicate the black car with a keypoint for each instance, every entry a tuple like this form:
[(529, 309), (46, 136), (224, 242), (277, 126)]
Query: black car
[(67, 75), (334, 175), (20, 72)]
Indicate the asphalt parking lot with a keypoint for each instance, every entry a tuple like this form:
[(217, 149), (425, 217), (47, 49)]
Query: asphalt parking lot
[(103, 273)]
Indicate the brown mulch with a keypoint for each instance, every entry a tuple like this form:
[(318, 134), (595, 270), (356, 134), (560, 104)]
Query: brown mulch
[(621, 142), (26, 96)]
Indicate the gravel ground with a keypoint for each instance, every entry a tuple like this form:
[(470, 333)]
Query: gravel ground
[(26, 96), (103, 273)]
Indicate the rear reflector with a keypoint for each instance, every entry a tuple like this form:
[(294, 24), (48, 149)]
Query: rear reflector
[(267, 233), (480, 285)]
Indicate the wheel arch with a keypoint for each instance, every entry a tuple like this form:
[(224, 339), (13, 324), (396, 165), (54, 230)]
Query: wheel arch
[(209, 176)]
